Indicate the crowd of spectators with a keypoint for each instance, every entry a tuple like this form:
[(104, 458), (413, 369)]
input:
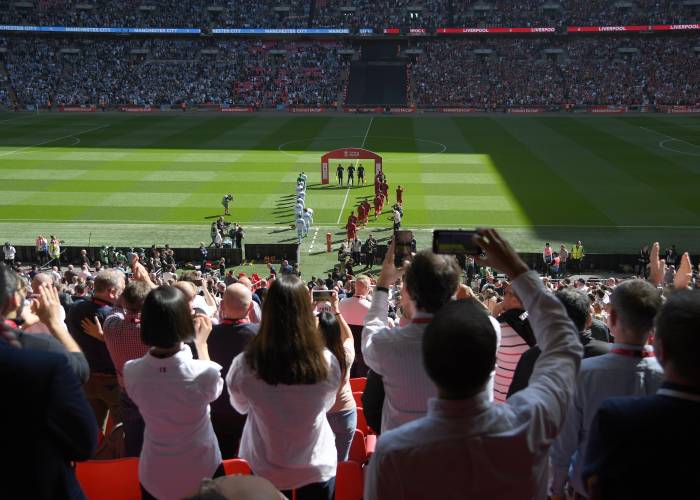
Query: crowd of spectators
[(456, 366), (581, 71), (328, 13), (170, 72)]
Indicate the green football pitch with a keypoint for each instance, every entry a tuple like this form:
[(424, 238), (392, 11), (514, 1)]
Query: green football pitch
[(615, 182)]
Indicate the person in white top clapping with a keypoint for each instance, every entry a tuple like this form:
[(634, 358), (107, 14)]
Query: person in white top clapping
[(286, 381), (173, 392)]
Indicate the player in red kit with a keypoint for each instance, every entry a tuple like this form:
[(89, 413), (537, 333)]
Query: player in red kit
[(352, 231), (377, 205), (352, 219), (361, 214), (385, 190), (399, 195)]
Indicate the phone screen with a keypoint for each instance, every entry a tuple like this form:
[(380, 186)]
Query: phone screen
[(321, 295), (455, 242), (402, 247)]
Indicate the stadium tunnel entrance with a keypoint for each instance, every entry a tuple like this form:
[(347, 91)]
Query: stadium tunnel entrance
[(348, 154)]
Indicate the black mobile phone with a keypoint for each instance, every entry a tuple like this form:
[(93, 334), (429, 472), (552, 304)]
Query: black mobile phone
[(455, 242), (402, 247), (322, 295)]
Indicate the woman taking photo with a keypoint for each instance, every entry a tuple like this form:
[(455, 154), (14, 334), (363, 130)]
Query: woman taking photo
[(286, 381), (173, 392), (342, 417)]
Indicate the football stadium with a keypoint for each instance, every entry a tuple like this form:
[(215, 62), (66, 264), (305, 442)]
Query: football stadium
[(254, 241)]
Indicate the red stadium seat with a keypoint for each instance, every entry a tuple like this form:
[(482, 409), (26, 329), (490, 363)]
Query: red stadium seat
[(234, 466), (110, 479), (358, 448), (349, 482), (358, 384), (362, 423), (358, 398)]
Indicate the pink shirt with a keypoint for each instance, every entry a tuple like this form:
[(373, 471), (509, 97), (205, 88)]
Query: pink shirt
[(122, 332)]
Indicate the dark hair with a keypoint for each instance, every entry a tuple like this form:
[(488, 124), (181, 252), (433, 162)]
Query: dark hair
[(166, 319), (432, 279), (135, 294), (330, 329), (8, 285), (577, 305), (460, 330), (677, 331), (636, 303), (288, 348)]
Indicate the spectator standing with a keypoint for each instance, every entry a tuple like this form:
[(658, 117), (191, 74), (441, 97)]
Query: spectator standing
[(547, 258), (102, 390), (395, 353), (122, 336), (354, 310), (578, 308), (577, 256), (477, 448), (563, 259), (42, 250), (629, 369), (228, 339), (616, 457), (342, 417), (516, 337), (173, 393), (9, 253), (48, 425), (286, 382)]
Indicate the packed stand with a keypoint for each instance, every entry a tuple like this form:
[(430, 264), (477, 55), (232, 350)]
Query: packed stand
[(530, 13), (429, 14), (452, 348), (606, 13), (263, 14), (501, 77), (169, 72), (586, 71)]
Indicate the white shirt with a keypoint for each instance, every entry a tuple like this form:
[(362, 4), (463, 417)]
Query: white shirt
[(601, 377), (354, 309), (396, 354), (286, 438), (179, 444), (9, 252), (397, 216), (510, 349), (477, 449)]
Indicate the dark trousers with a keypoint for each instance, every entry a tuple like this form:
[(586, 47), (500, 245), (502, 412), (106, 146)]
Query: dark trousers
[(134, 426), (576, 263), (145, 495), (228, 428), (314, 491)]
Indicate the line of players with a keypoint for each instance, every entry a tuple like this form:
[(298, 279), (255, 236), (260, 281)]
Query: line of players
[(381, 196), (304, 215)]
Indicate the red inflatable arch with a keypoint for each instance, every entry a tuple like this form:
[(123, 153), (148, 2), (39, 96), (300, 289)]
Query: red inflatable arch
[(348, 154)]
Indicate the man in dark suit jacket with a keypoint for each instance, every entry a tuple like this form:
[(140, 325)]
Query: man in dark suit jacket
[(226, 341), (577, 306), (644, 447), (47, 424)]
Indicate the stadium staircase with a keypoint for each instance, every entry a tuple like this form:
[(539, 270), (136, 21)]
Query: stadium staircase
[(379, 78)]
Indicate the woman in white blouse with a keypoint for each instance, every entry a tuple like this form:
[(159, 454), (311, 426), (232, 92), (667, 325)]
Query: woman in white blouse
[(173, 392), (286, 381)]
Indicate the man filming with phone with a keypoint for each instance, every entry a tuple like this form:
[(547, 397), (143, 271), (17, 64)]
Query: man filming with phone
[(430, 281)]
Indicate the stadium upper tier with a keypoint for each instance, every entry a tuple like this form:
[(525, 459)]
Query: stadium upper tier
[(483, 73), (354, 14)]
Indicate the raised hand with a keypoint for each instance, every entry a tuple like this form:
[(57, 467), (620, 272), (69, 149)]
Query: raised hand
[(684, 274), (498, 253), (657, 267)]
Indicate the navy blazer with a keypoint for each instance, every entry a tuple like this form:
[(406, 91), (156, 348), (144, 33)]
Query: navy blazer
[(645, 447), (46, 424)]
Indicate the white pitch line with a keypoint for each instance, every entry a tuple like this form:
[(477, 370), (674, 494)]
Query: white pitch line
[(347, 191), (8, 153), (670, 137), (313, 240)]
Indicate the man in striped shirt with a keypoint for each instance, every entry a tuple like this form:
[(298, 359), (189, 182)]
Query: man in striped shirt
[(516, 338)]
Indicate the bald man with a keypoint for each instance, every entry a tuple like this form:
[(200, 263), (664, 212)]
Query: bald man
[(227, 340)]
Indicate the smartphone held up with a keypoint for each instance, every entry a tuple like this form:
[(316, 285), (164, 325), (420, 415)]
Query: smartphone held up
[(455, 242)]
